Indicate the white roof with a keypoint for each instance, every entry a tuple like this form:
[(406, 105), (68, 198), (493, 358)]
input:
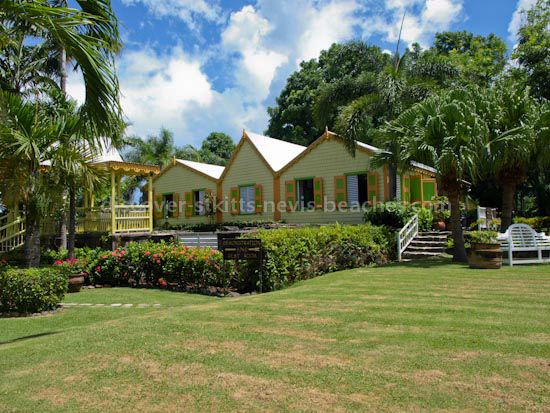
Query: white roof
[(215, 171), (106, 152), (276, 152)]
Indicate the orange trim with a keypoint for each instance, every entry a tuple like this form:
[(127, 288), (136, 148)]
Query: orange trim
[(219, 211), (277, 197), (386, 183)]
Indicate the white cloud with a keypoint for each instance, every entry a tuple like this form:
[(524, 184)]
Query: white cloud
[(186, 10), (516, 21), (423, 19)]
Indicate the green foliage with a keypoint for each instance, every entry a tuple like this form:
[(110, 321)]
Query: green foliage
[(291, 255), (539, 224), (219, 144), (534, 48), (482, 236), (395, 215), (425, 219), (205, 227), (31, 290)]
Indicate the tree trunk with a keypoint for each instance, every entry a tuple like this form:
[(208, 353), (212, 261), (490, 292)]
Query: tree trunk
[(63, 86), (508, 192), (72, 222), (32, 240), (63, 221), (459, 250), (392, 187)]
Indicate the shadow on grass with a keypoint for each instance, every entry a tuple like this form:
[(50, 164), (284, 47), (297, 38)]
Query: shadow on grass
[(426, 263), (14, 340)]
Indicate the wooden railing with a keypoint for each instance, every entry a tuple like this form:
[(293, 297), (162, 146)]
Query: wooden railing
[(93, 220), (12, 232), (406, 235), (131, 218)]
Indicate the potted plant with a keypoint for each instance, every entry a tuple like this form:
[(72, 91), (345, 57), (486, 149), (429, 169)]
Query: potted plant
[(440, 214), (74, 269), (485, 250)]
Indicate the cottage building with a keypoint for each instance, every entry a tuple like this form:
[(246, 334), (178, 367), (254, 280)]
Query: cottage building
[(184, 193)]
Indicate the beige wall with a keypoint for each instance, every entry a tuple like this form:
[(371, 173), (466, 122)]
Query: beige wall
[(248, 168), (179, 180), (327, 160)]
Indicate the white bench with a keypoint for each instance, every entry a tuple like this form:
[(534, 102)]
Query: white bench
[(523, 238)]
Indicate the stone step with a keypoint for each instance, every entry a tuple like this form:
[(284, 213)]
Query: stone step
[(431, 233), (416, 255), (430, 238), (412, 248), (421, 243)]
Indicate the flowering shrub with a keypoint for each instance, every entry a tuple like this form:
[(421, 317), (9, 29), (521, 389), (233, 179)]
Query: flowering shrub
[(70, 266), (158, 264)]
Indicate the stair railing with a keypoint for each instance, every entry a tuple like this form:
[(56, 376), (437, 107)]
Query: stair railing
[(406, 235)]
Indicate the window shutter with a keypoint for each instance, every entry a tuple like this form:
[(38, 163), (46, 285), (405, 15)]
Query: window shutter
[(176, 203), (189, 204), (290, 192), (235, 200), (372, 187), (258, 199), (352, 188), (157, 207), (318, 193), (406, 188), (340, 191)]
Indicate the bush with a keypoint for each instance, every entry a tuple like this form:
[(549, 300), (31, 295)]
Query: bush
[(425, 219), (539, 224), (396, 214), (482, 236), (31, 290), (298, 254)]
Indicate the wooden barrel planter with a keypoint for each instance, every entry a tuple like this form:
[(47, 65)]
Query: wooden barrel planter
[(75, 282), (485, 255)]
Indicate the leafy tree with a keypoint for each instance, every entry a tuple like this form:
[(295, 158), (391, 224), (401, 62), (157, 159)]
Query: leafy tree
[(479, 59), (520, 136), (219, 144), (446, 132), (533, 50)]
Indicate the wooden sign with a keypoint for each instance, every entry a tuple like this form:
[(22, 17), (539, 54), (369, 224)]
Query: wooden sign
[(241, 249)]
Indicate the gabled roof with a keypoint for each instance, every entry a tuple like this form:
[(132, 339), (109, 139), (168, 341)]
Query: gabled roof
[(274, 153), (209, 171), (214, 171), (363, 147), (277, 153)]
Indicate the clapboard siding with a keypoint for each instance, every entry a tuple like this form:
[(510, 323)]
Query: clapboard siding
[(248, 168), (327, 160), (179, 179)]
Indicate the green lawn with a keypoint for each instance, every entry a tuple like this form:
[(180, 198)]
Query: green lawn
[(422, 336)]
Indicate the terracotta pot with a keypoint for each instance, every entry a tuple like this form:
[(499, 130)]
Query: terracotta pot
[(485, 255), (75, 282), (439, 225)]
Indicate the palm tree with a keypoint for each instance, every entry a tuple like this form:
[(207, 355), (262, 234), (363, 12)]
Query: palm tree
[(519, 140), (34, 163), (446, 132), (89, 36)]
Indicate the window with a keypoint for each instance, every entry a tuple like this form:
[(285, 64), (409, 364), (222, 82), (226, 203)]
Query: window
[(357, 193), (247, 199), (198, 203), (304, 188), (167, 202)]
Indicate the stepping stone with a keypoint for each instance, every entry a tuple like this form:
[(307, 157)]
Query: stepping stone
[(156, 305), (143, 305), (116, 305), (128, 305), (100, 305), (69, 304), (86, 305)]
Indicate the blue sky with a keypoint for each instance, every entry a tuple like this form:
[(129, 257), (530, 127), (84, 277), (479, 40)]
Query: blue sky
[(198, 66)]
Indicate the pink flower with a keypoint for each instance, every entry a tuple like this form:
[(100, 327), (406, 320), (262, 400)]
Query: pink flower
[(56, 262), (158, 261), (155, 255), (147, 253), (104, 257), (123, 252)]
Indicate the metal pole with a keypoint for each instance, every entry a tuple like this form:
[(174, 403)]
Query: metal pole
[(113, 203), (150, 201)]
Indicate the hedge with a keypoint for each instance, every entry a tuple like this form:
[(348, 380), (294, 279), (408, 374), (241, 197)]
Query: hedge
[(540, 224), (31, 290), (291, 255)]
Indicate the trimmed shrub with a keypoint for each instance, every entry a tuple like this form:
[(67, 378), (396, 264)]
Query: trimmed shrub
[(539, 224), (31, 290), (291, 255), (395, 215)]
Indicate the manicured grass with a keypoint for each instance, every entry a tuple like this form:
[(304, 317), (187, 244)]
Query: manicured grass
[(422, 336)]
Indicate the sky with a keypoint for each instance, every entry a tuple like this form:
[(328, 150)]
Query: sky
[(201, 66)]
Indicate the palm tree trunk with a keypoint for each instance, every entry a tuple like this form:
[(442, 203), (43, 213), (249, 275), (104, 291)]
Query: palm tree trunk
[(459, 250), (32, 239), (63, 221), (72, 222), (63, 86), (508, 192)]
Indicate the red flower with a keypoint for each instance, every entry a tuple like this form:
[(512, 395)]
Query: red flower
[(164, 284), (98, 268), (123, 252), (56, 262), (155, 255), (104, 257), (158, 261), (114, 254), (159, 280), (147, 253)]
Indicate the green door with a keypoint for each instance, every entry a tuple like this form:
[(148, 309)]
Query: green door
[(416, 192), (429, 191)]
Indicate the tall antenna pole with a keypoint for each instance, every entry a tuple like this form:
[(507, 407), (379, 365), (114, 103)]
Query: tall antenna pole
[(397, 59)]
